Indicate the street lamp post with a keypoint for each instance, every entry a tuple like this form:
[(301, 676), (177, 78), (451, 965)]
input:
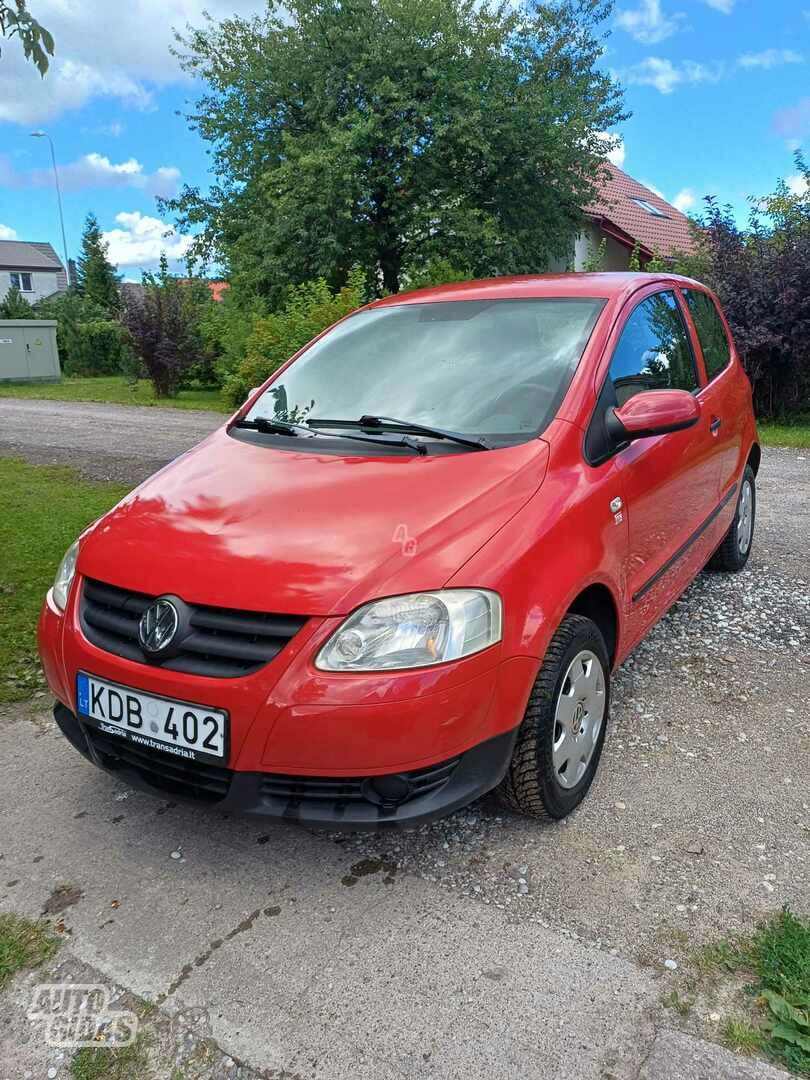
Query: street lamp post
[(45, 135)]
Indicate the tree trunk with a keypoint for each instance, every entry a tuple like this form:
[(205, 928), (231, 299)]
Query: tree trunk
[(391, 266)]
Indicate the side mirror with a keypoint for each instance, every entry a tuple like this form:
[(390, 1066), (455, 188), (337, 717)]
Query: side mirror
[(652, 412)]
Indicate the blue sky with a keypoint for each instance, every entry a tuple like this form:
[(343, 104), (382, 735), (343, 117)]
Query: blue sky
[(719, 91)]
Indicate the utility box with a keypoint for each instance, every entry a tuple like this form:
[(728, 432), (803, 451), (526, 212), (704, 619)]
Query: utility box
[(28, 351)]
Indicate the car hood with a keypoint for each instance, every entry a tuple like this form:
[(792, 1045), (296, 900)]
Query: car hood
[(260, 528)]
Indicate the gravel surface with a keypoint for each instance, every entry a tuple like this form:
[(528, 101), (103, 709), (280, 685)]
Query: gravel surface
[(121, 443), (698, 823)]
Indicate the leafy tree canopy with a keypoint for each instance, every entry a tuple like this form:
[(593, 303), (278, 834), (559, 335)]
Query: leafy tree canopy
[(17, 21), (390, 133), (96, 278)]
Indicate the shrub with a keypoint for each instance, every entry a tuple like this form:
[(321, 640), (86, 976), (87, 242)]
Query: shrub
[(98, 347), (762, 276), (164, 322), (89, 342), (310, 309), (226, 327), (15, 306)]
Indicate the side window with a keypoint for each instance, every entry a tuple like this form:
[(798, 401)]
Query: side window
[(710, 331), (653, 352)]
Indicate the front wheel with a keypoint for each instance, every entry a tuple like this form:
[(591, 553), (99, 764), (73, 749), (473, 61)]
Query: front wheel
[(560, 740), (732, 555)]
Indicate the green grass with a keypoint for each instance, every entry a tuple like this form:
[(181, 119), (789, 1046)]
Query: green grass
[(106, 1063), (24, 944), (42, 510), (740, 1036), (115, 390), (794, 432), (777, 960)]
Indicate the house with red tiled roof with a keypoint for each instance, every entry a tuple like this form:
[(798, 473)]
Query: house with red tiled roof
[(627, 215)]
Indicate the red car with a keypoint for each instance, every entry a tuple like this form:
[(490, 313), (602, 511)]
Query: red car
[(400, 575)]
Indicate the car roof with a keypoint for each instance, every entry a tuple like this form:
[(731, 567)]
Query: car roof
[(604, 286)]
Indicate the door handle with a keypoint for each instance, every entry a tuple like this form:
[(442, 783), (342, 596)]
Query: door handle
[(714, 426)]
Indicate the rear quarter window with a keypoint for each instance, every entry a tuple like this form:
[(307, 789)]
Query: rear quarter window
[(710, 331)]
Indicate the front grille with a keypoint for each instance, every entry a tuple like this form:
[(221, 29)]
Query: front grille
[(340, 790), (217, 642), (175, 775)]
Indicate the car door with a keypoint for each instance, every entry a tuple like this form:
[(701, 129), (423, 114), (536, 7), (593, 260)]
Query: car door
[(668, 481), (717, 397)]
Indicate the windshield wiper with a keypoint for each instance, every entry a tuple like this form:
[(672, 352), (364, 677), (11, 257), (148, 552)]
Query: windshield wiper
[(281, 427), (274, 427), (390, 423)]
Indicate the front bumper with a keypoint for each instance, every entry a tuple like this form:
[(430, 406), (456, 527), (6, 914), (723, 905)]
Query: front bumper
[(338, 802)]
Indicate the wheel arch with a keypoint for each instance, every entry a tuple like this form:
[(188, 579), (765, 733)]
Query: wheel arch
[(597, 603), (755, 457)]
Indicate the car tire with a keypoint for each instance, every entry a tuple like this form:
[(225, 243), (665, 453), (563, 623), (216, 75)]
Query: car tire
[(732, 555), (575, 670)]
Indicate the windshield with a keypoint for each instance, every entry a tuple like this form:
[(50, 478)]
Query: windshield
[(480, 367)]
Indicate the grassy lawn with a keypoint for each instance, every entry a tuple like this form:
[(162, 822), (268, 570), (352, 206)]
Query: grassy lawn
[(115, 390), (42, 510), (794, 433), (23, 944)]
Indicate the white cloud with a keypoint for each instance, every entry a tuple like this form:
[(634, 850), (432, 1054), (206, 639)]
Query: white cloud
[(617, 153), (103, 49), (797, 185), (141, 240), (648, 23), (94, 171), (7, 233), (666, 76), (770, 58), (684, 200)]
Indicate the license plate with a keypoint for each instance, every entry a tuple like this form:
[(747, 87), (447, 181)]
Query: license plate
[(193, 732)]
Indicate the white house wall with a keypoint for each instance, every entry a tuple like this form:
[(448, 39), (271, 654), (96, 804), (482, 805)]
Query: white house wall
[(43, 283)]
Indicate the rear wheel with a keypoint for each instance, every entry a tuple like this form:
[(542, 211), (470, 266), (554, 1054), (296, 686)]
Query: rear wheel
[(560, 740), (732, 555)]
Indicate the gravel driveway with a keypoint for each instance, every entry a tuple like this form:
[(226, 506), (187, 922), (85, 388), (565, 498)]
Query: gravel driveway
[(483, 943)]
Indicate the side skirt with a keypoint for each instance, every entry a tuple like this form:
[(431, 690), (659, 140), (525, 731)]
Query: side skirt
[(682, 550)]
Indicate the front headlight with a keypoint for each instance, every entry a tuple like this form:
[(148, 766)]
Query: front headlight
[(64, 576), (416, 630)]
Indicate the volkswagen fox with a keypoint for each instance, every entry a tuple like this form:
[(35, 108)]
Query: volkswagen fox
[(400, 575)]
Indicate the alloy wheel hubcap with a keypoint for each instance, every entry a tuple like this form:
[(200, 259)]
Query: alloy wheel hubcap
[(745, 518), (578, 718)]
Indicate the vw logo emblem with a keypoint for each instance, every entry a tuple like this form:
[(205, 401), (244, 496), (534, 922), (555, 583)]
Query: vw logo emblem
[(158, 626)]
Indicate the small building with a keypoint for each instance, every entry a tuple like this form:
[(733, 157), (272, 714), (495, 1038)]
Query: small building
[(628, 216), (28, 351), (35, 269)]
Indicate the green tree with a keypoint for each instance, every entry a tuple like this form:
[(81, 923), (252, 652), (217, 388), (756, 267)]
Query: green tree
[(96, 278), (17, 21), (390, 133), (15, 306)]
